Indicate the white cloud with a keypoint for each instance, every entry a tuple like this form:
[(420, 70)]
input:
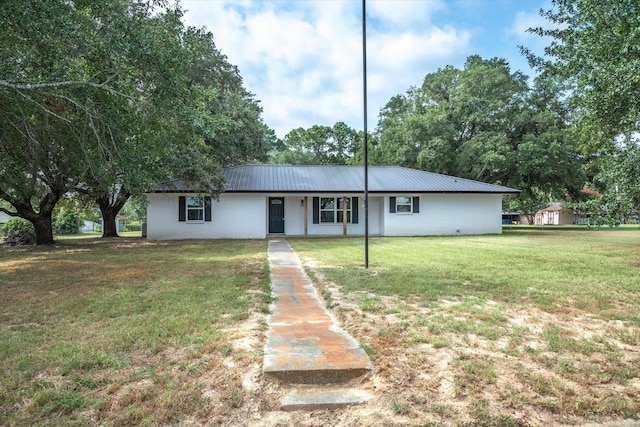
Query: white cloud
[(522, 22), (303, 59), (405, 14)]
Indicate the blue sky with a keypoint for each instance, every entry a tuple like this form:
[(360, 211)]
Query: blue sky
[(303, 59)]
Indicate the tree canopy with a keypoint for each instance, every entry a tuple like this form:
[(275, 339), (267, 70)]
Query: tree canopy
[(595, 46), (484, 122), (595, 52), (107, 97), (319, 145)]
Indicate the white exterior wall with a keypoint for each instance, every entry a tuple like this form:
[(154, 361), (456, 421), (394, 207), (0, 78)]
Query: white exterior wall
[(233, 216), (447, 214), (247, 216), (294, 216)]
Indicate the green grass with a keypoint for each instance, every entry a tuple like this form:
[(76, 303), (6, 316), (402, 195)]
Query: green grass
[(119, 327), (127, 332), (594, 270), (546, 319)]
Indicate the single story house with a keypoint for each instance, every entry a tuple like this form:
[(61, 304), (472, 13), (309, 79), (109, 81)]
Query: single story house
[(554, 215), (263, 200)]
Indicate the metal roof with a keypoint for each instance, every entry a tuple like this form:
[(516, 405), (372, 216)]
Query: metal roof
[(340, 179)]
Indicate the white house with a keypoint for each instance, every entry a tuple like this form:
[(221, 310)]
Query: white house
[(262, 200)]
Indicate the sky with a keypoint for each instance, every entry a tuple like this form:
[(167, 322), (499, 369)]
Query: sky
[(302, 59)]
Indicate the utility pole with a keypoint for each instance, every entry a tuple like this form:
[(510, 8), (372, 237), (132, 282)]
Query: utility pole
[(366, 149)]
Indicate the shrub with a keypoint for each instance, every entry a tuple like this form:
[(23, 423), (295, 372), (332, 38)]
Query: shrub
[(18, 231), (66, 222), (133, 226)]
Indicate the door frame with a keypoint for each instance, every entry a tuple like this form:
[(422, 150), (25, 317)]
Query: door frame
[(282, 219)]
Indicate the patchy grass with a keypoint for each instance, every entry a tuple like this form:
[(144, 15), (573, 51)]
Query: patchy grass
[(552, 269), (123, 331), (532, 327)]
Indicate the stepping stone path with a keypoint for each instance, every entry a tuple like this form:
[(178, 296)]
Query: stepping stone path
[(305, 346)]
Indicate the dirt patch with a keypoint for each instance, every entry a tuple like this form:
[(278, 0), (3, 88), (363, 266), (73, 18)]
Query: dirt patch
[(436, 365), (457, 362)]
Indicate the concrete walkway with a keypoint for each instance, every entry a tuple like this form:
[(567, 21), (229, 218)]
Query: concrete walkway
[(304, 344)]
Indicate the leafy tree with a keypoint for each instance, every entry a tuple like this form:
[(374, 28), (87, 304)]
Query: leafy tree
[(66, 221), (485, 123), (456, 123), (59, 94), (104, 98), (546, 161), (596, 47), (319, 145), (616, 185)]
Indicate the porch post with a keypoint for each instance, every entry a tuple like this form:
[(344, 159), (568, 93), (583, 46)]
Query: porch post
[(306, 211), (344, 215)]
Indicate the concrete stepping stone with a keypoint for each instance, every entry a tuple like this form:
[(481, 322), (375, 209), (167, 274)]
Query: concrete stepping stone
[(304, 344), (314, 399)]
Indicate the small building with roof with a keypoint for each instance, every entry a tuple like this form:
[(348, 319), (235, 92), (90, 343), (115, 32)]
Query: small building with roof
[(263, 200), (554, 214)]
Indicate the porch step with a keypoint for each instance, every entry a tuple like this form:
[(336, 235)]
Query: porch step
[(317, 399)]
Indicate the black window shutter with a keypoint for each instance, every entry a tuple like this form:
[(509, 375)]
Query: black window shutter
[(416, 204), (316, 210), (182, 208), (392, 205), (207, 208), (354, 210)]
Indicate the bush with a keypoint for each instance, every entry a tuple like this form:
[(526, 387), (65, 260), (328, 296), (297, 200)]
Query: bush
[(66, 222), (18, 231), (133, 226)]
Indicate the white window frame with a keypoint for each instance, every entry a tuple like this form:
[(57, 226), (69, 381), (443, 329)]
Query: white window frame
[(198, 209), (337, 207), (406, 205)]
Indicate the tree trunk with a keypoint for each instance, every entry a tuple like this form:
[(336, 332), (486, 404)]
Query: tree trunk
[(109, 228), (43, 229), (109, 207), (41, 220)]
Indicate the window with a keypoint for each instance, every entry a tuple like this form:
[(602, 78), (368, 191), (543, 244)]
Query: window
[(404, 205), (195, 209), (330, 210)]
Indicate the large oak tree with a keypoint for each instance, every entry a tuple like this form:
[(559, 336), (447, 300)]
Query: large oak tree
[(484, 122), (106, 97)]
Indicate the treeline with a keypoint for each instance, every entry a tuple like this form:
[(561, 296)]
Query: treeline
[(101, 99)]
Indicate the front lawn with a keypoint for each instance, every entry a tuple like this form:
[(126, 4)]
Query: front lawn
[(123, 331), (538, 326), (532, 327)]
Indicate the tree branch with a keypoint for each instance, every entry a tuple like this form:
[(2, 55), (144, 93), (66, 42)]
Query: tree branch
[(67, 83), (58, 85), (8, 212)]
